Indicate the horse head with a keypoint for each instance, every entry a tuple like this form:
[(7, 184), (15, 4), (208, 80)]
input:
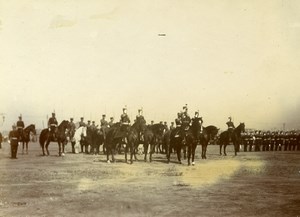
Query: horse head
[(64, 124), (30, 128), (83, 131), (240, 129)]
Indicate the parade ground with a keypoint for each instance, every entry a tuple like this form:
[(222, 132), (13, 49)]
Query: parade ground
[(250, 184)]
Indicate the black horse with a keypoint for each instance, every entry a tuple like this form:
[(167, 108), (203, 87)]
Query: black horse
[(25, 138), (153, 137), (235, 138), (208, 134), (176, 142), (134, 138), (117, 136), (97, 139), (60, 138)]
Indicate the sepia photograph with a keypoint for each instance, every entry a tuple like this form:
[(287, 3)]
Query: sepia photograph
[(149, 108)]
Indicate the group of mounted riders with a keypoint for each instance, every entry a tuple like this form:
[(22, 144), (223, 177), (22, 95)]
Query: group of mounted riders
[(186, 134)]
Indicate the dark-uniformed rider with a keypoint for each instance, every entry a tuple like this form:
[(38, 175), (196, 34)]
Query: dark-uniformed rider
[(82, 123), (20, 127), (13, 139), (52, 125), (104, 125)]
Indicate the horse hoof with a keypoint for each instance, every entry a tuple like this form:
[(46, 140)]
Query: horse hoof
[(193, 163), (108, 161), (63, 154)]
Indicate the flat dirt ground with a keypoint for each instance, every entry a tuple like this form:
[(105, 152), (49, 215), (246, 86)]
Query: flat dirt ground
[(251, 184)]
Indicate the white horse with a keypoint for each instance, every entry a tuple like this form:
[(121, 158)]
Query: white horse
[(81, 131)]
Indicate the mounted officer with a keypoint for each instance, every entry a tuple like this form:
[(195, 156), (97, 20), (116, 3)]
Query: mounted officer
[(52, 125), (125, 122), (172, 127), (20, 127), (111, 122), (178, 120), (81, 123), (185, 119), (72, 128), (196, 119), (166, 128), (231, 127), (104, 125), (140, 116), (140, 119)]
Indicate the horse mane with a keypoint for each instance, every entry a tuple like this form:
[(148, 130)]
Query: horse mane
[(239, 127), (63, 124), (29, 126)]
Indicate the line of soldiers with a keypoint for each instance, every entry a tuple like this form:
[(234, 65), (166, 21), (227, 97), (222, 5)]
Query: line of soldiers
[(271, 141)]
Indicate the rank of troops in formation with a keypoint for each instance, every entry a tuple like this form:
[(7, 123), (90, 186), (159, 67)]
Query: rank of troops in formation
[(256, 141)]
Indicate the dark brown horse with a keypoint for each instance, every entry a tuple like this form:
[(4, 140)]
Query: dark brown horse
[(208, 134), (134, 138), (130, 137), (25, 138), (153, 135), (234, 137), (176, 142), (60, 138)]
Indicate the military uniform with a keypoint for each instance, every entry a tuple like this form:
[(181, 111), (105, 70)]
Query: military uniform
[(185, 121), (72, 128), (52, 124), (111, 122), (125, 122), (20, 127), (81, 123), (14, 139), (172, 127), (104, 125), (231, 127)]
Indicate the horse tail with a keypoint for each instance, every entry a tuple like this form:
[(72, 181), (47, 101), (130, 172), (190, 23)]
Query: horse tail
[(42, 138)]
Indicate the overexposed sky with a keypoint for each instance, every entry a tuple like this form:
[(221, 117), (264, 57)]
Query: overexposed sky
[(85, 58)]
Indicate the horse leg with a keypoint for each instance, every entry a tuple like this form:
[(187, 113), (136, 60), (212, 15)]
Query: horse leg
[(132, 152), (178, 150), (59, 148), (26, 147), (146, 145), (126, 150), (152, 151), (184, 152), (189, 149), (236, 148), (23, 146), (63, 148), (193, 154), (225, 149), (220, 149), (47, 144), (43, 147), (107, 155), (168, 152)]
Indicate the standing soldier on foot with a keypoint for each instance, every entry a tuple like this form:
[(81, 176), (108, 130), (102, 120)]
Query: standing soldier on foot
[(13, 139)]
